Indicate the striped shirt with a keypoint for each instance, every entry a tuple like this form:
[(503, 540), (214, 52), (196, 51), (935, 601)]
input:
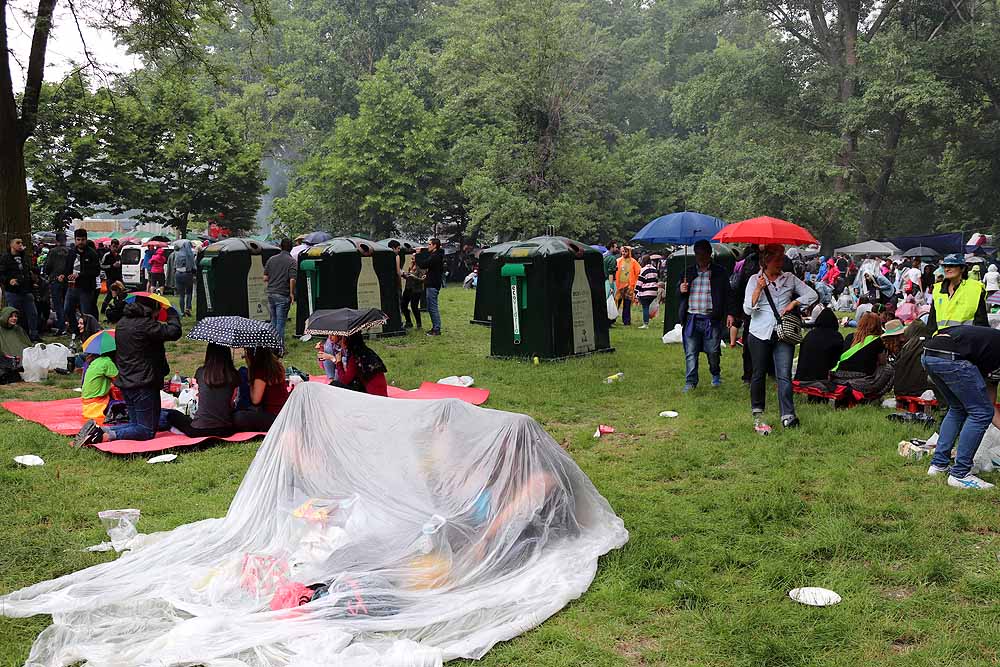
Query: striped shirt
[(647, 283)]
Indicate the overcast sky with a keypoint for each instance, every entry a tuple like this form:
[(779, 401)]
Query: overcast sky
[(65, 46)]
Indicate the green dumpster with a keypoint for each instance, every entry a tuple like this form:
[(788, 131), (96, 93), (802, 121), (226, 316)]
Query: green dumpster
[(721, 254), (549, 300), (487, 282), (348, 272), (230, 279)]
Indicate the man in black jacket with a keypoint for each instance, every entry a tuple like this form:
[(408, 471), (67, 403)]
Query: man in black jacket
[(83, 266), (18, 287), (704, 296), (55, 273), (432, 259), (142, 365), (111, 264)]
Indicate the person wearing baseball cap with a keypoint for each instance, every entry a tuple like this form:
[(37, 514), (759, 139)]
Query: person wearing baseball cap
[(957, 300)]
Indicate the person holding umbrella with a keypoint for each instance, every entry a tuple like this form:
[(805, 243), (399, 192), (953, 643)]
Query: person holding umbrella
[(956, 300), (704, 293)]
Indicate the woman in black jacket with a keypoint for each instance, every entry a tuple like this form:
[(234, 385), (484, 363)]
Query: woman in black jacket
[(820, 350)]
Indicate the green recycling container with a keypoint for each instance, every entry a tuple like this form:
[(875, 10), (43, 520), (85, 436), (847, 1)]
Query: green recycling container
[(676, 261), (549, 300), (486, 283), (349, 272), (230, 279)]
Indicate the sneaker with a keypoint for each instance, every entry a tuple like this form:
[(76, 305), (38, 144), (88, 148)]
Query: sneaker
[(644, 326), (689, 387), (790, 422), (717, 381), (968, 482), (433, 332), (937, 470), (89, 433), (760, 427), (739, 342)]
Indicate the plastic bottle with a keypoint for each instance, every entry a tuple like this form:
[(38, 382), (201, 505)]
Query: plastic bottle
[(617, 377), (175, 384), (71, 357)]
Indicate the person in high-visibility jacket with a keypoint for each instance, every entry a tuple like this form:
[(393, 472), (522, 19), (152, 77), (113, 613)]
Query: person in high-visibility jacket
[(957, 300)]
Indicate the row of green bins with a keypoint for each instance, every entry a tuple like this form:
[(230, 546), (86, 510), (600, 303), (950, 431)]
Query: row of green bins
[(549, 300), (230, 279), (348, 272), (676, 261), (486, 283)]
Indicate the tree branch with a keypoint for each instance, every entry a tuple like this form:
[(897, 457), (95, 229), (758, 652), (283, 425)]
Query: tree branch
[(886, 10), (86, 51), (36, 68), (784, 22)]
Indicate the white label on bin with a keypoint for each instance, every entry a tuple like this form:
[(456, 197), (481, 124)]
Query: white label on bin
[(516, 311), (257, 307), (369, 289), (208, 293), (582, 305)]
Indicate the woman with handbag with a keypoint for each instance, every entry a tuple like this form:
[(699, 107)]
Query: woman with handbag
[(772, 299)]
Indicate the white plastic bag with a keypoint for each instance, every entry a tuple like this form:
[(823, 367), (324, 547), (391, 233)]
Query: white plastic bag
[(457, 380), (36, 364), (674, 335), (654, 308), (57, 354), (612, 308), (987, 457), (167, 402)]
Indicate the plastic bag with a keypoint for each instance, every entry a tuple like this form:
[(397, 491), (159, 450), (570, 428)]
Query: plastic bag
[(987, 457), (167, 401), (57, 354), (654, 308), (674, 335), (612, 308), (35, 363), (458, 380)]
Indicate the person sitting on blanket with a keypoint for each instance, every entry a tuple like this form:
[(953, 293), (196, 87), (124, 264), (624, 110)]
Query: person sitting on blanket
[(142, 365), (362, 369), (99, 372), (863, 366), (86, 326), (820, 350), (327, 351), (13, 339), (268, 390), (910, 378), (217, 380)]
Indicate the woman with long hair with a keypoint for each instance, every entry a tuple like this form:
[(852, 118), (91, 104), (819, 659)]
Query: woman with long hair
[(362, 370), (646, 287), (217, 380), (268, 390), (864, 366)]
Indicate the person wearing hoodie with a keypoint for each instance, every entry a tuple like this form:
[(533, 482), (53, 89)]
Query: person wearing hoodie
[(184, 265), (18, 286), (991, 280), (142, 366), (157, 270), (13, 340)]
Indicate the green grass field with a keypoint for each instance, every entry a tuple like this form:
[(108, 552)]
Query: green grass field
[(723, 522)]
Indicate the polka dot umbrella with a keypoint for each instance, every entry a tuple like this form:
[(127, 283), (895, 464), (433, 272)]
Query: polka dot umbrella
[(233, 331)]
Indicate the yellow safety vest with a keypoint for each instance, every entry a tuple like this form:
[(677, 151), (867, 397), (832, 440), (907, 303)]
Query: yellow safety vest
[(960, 308)]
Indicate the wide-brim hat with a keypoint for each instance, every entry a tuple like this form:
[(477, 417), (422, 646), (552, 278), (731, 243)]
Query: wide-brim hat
[(893, 328), (954, 259)]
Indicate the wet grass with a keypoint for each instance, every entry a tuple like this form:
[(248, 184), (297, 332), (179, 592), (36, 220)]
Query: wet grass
[(723, 523)]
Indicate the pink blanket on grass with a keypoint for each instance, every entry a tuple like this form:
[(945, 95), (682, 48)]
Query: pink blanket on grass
[(430, 391), (65, 417)]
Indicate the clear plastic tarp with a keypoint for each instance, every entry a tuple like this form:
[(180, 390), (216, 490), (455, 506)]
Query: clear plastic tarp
[(367, 531)]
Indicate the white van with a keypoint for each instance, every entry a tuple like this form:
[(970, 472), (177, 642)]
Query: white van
[(131, 260)]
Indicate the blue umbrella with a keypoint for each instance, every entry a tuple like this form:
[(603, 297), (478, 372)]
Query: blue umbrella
[(317, 237), (680, 228), (600, 249)]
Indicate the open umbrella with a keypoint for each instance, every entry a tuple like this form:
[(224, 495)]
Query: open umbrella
[(316, 237), (599, 248), (765, 230), (234, 331), (161, 238), (101, 342), (993, 299), (163, 301), (344, 321), (921, 251), (684, 228)]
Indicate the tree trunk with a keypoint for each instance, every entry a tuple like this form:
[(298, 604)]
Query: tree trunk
[(849, 16), (876, 196)]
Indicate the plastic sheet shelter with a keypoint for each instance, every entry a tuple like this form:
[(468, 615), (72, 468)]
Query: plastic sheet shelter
[(550, 300), (230, 279), (423, 531), (487, 282), (721, 254), (349, 272)]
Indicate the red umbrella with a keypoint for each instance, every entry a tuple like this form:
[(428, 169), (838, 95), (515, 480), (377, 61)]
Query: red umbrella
[(765, 230)]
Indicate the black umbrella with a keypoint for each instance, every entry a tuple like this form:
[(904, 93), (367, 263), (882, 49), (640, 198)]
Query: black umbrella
[(344, 321), (921, 251), (233, 331)]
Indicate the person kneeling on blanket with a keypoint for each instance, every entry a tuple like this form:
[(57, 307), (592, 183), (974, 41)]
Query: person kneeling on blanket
[(142, 366)]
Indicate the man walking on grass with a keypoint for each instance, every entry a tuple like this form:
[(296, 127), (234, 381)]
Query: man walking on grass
[(704, 293), (432, 259), (279, 274)]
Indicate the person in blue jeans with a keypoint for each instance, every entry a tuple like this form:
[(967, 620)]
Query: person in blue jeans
[(142, 365), (704, 305), (280, 272), (957, 362), (431, 258), (18, 286)]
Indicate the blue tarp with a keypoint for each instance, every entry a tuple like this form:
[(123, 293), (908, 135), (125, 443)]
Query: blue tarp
[(943, 243)]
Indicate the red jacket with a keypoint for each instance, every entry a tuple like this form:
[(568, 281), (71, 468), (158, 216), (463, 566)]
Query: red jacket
[(375, 385)]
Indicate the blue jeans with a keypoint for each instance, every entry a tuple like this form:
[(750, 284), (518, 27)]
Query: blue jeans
[(700, 341), (25, 305), (970, 411), (57, 293), (184, 284), (781, 353), (646, 302), (432, 307), (78, 299), (279, 306), (143, 405)]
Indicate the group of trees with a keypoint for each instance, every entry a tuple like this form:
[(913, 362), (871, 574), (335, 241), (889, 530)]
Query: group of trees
[(856, 118)]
